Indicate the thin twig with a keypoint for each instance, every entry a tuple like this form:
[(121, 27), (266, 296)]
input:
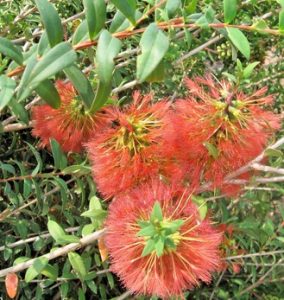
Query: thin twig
[(87, 240), (255, 254), (35, 238), (261, 279)]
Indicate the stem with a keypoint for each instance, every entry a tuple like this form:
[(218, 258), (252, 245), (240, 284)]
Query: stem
[(87, 240)]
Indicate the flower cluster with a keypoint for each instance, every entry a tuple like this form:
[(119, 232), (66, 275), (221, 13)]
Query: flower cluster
[(149, 158), (70, 125)]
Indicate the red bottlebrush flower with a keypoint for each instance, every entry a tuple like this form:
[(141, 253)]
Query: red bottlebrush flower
[(221, 129), (128, 152), (157, 243), (70, 125)]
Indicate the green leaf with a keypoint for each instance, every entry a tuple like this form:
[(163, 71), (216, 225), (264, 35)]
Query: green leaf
[(55, 230), (10, 50), (157, 213), (95, 11), (77, 170), (95, 213), (213, 151), (82, 84), (158, 75), (240, 41), (127, 7), (37, 267), (23, 90), (37, 156), (81, 33), (55, 60), (149, 247), (249, 69), (201, 205), (7, 87), (154, 45), (119, 23), (77, 265), (48, 93), (60, 160), (108, 48), (281, 2), (230, 10), (43, 44), (281, 20), (19, 110), (50, 272), (260, 25), (190, 6), (159, 247), (51, 22), (172, 6), (273, 152)]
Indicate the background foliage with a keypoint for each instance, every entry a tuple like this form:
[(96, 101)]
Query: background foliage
[(42, 192)]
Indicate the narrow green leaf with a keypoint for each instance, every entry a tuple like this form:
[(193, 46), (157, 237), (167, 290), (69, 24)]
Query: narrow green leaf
[(60, 160), (55, 230), (43, 44), (77, 264), (77, 170), (119, 23), (48, 93), (11, 50), (281, 20), (172, 6), (156, 214), (51, 22), (19, 110), (260, 25), (58, 58), (127, 7), (37, 156), (24, 91), (158, 75), (81, 83), (239, 40), (213, 151), (273, 152), (50, 272), (230, 10), (190, 6), (81, 33), (7, 87), (201, 205), (154, 45), (281, 2), (108, 48), (95, 11), (33, 271), (249, 69)]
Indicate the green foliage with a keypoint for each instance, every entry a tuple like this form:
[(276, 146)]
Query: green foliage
[(48, 199)]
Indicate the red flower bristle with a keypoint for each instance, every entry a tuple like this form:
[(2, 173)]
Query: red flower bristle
[(220, 130), (70, 125), (193, 259), (129, 152)]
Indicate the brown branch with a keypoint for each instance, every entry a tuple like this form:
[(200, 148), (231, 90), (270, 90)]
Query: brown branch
[(174, 23)]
